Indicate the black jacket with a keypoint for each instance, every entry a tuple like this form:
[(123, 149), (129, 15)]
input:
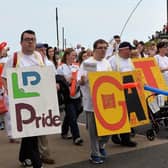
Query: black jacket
[(63, 93)]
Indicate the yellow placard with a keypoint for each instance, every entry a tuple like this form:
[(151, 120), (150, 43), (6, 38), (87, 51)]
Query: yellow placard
[(135, 98), (112, 103), (109, 103), (151, 74)]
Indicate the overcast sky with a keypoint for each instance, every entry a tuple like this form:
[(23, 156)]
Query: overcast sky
[(84, 21)]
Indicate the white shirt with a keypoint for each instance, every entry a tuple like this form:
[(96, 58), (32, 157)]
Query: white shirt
[(102, 65), (162, 63), (3, 60), (23, 61), (48, 62), (109, 52), (120, 64), (66, 71)]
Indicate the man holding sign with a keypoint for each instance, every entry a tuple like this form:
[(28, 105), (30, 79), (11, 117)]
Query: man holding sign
[(122, 63), (95, 63), (29, 152)]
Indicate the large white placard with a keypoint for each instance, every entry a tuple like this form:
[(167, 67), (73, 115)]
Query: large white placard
[(33, 102)]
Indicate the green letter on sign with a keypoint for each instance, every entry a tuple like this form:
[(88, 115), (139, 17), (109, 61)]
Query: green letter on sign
[(19, 93)]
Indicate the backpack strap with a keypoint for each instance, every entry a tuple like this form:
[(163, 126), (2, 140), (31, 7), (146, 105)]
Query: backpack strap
[(39, 58), (17, 56), (14, 59)]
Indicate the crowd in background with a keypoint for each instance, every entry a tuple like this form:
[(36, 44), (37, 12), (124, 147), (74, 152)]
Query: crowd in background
[(71, 60)]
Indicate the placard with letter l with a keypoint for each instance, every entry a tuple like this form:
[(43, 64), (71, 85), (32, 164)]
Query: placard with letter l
[(33, 102)]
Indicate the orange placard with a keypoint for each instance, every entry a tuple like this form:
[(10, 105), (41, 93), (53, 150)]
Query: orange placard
[(73, 84), (3, 107), (1, 68)]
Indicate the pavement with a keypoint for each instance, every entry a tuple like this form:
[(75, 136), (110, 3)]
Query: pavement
[(148, 154)]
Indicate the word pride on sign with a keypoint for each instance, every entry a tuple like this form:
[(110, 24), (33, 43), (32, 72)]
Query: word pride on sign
[(33, 101)]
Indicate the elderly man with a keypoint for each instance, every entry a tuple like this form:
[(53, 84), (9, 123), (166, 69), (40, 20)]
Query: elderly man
[(122, 63)]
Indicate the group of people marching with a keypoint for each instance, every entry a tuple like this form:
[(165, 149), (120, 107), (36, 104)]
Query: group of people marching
[(71, 71)]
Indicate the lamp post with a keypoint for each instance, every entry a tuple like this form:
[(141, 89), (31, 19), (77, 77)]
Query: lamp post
[(167, 12), (57, 29), (63, 42)]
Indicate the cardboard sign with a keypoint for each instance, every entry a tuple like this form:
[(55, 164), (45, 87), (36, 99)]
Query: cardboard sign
[(135, 98), (33, 101), (109, 103), (111, 100), (90, 67), (151, 74), (154, 107)]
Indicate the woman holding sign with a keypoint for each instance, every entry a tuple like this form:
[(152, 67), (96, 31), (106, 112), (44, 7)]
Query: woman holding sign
[(73, 107)]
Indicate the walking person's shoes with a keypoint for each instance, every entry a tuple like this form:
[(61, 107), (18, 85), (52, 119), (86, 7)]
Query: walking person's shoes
[(27, 163), (2, 127), (129, 143), (78, 141), (65, 136), (115, 139), (96, 160), (47, 160), (11, 140), (103, 153)]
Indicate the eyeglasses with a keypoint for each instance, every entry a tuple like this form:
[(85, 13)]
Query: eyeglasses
[(101, 48), (29, 39)]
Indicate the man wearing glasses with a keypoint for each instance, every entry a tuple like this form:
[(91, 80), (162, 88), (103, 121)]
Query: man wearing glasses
[(95, 63), (29, 153)]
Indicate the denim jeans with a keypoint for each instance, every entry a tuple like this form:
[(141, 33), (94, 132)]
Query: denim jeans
[(72, 111)]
